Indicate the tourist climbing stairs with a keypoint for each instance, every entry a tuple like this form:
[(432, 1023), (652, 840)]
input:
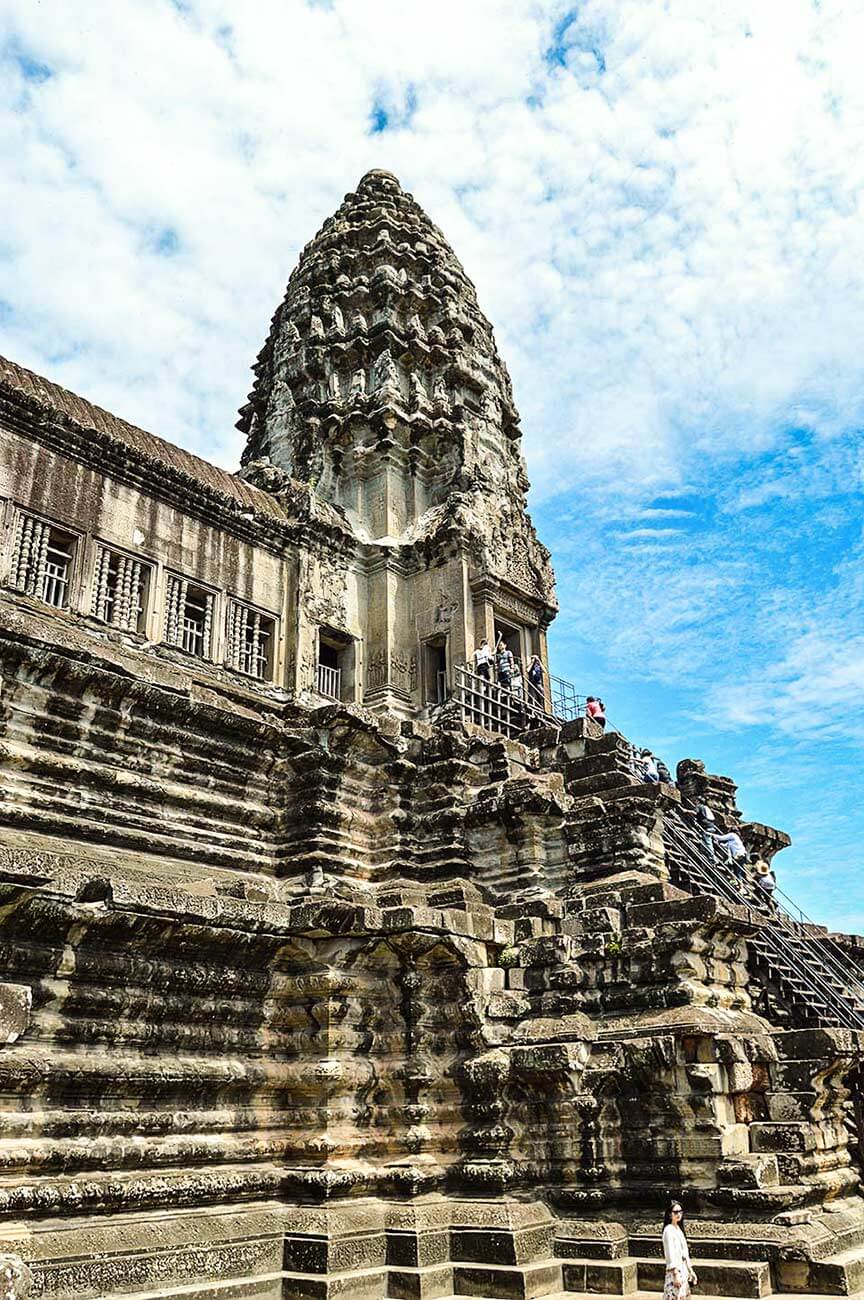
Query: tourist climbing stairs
[(810, 973)]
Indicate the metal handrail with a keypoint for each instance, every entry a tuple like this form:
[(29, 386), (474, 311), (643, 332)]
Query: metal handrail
[(764, 939), (836, 957), (495, 707), (839, 965), (567, 704), (770, 937)]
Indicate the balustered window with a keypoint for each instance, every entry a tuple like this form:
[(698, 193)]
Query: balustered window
[(189, 616), (120, 586), (251, 640), (42, 561)]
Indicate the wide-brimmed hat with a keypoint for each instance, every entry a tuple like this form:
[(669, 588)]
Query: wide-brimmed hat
[(762, 868)]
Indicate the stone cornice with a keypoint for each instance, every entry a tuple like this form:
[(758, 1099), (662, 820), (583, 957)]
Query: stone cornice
[(521, 602)]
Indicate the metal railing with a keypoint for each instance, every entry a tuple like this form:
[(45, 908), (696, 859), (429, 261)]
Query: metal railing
[(803, 929), (811, 973), (566, 703), (329, 681), (499, 708)]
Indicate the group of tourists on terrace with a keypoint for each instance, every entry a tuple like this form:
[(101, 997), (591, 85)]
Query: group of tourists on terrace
[(502, 666)]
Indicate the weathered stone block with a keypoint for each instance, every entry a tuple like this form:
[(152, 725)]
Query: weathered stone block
[(506, 1283), (483, 1245), (749, 1279), (782, 1137), (589, 1239), (369, 1284), (16, 1002), (407, 1249), (336, 1254), (427, 1283), (605, 1277)]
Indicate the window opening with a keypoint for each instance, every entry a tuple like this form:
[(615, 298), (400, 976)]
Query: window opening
[(42, 561), (189, 617), (120, 585), (512, 639), (329, 676), (251, 639), (436, 672)]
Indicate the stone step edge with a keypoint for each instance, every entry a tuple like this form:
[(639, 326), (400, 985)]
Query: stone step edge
[(232, 1286), (698, 1294), (747, 1277), (706, 1262), (533, 1266)]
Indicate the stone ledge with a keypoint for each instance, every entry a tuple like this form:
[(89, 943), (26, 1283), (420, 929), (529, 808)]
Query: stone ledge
[(749, 1279)]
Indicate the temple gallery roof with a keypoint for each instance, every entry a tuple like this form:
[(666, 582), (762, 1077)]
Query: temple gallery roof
[(59, 405)]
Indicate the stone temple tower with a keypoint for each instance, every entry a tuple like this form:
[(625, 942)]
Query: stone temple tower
[(311, 990), (381, 387)]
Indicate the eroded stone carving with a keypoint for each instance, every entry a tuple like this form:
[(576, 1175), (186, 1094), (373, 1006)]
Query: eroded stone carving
[(16, 1280)]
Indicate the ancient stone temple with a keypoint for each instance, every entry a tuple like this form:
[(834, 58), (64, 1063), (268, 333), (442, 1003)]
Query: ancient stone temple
[(329, 967)]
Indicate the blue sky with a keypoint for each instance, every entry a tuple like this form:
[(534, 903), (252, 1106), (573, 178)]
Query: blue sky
[(661, 207)]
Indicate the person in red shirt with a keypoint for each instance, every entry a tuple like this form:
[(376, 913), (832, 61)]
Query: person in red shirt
[(596, 709)]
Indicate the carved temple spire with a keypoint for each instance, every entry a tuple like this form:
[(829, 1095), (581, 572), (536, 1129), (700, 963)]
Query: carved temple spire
[(379, 289), (380, 385)]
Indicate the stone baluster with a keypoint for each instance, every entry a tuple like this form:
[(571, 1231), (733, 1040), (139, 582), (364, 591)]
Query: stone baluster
[(208, 624), (100, 582), (122, 595), (36, 578), (24, 550), (175, 602)]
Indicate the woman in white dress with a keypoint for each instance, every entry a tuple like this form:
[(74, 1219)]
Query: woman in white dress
[(679, 1271)]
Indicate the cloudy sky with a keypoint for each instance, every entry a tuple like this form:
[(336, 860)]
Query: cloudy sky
[(661, 206)]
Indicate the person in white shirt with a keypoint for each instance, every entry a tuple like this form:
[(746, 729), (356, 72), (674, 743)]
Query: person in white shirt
[(679, 1271), (735, 852), (483, 660)]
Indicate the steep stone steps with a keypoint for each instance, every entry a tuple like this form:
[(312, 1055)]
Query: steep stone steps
[(813, 979)]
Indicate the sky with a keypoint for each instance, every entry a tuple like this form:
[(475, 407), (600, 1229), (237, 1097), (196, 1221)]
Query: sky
[(661, 207)]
